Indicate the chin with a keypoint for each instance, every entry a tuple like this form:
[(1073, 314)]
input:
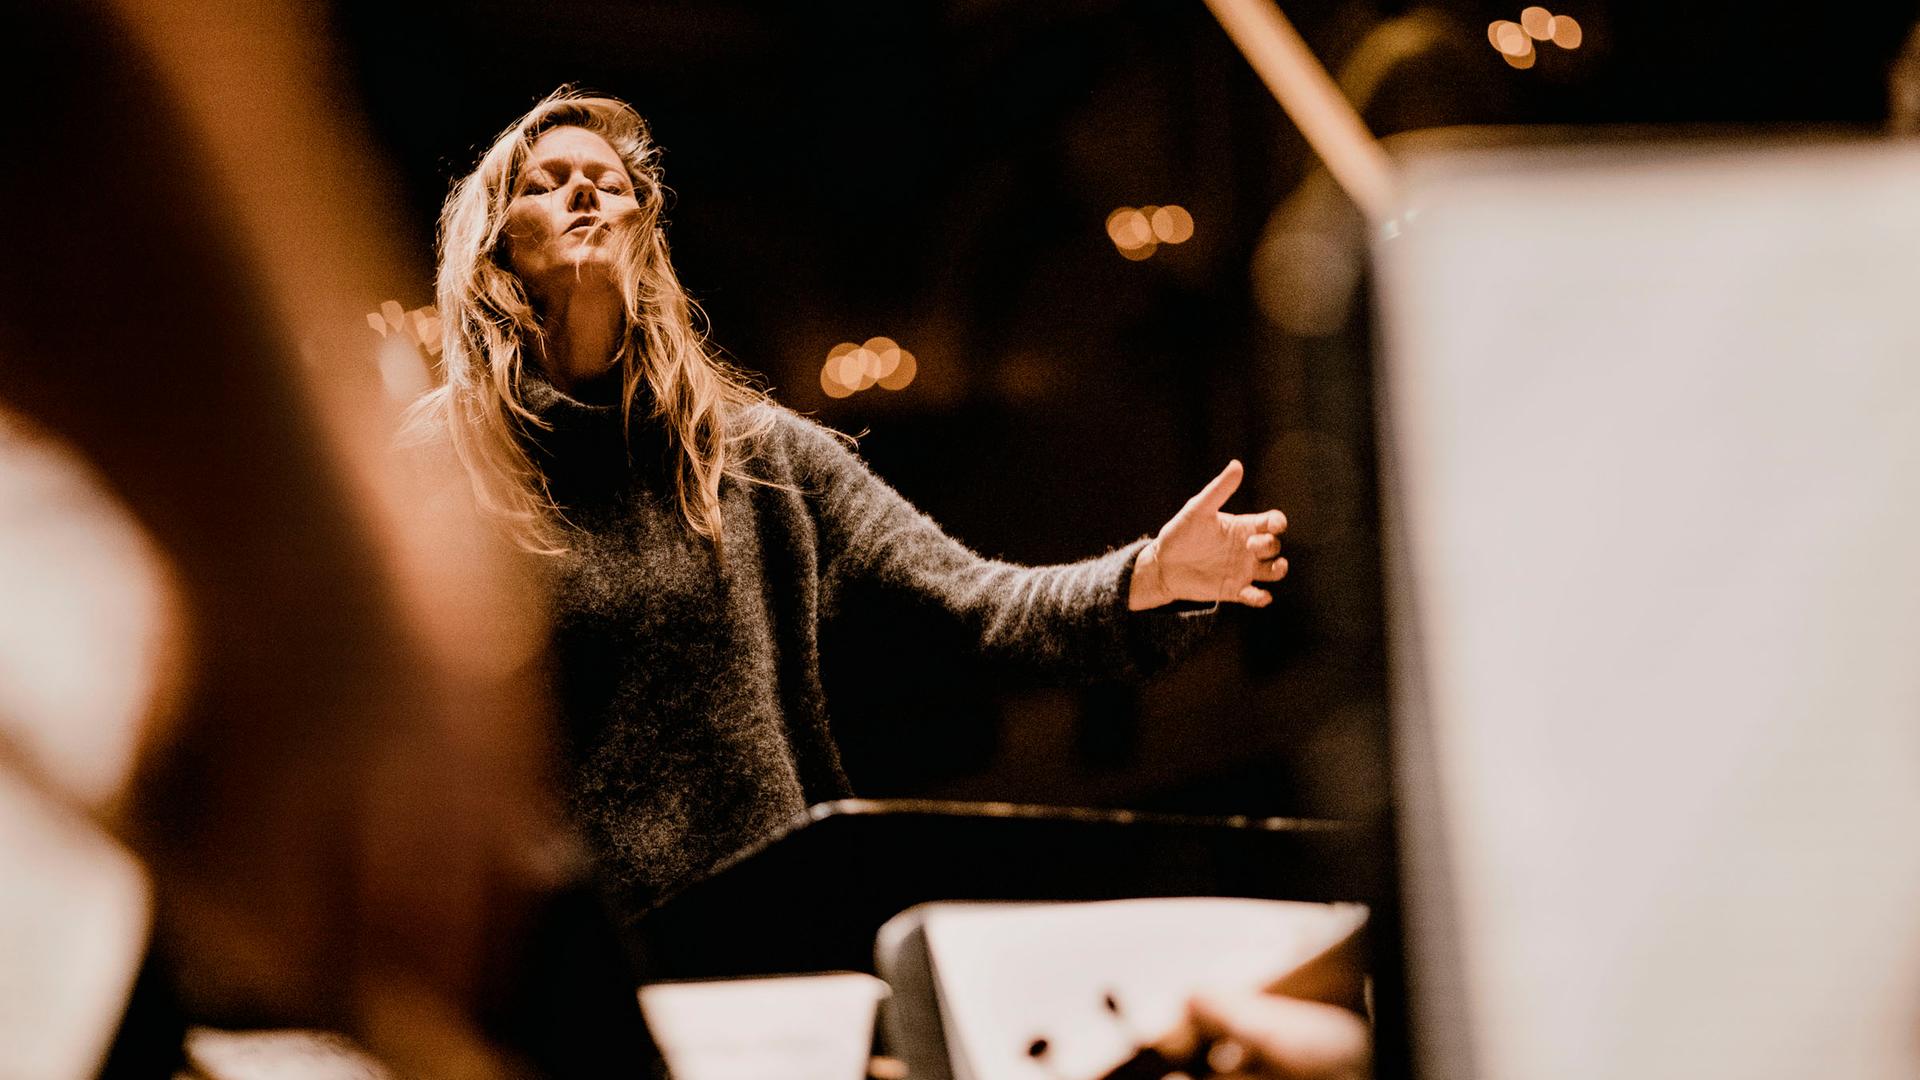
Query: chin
[(597, 256)]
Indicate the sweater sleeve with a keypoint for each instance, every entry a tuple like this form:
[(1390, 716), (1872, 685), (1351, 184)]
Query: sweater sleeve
[(1070, 620)]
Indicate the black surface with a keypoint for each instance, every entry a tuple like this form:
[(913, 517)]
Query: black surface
[(813, 899)]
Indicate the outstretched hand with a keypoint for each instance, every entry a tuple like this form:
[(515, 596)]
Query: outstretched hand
[(1207, 556)]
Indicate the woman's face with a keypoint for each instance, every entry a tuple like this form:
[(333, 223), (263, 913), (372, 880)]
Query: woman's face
[(571, 190)]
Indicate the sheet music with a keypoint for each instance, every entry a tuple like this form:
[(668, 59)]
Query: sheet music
[(1012, 974), (803, 1027), (1656, 423)]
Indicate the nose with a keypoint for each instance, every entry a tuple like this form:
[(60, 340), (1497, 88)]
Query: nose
[(582, 195)]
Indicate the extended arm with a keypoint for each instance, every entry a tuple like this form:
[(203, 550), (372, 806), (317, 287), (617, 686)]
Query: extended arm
[(1085, 618)]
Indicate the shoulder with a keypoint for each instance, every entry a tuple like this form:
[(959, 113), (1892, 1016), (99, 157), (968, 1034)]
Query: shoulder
[(794, 444)]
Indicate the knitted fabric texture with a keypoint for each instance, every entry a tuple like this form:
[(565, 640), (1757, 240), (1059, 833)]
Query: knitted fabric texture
[(696, 724)]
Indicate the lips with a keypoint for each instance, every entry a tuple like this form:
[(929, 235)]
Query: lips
[(584, 223)]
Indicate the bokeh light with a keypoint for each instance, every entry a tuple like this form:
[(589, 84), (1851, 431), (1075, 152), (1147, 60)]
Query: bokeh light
[(419, 328), (1172, 224), (830, 371), (904, 369), (1513, 42), (855, 369), (879, 361), (830, 382), (1566, 32), (1130, 229), (886, 356), (425, 323)]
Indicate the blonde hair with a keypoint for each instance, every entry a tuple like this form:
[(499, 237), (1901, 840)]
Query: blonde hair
[(488, 321)]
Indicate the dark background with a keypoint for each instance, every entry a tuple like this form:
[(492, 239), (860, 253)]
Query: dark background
[(941, 173)]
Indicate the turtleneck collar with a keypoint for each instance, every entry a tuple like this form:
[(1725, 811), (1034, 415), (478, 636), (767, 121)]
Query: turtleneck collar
[(538, 393), (582, 450)]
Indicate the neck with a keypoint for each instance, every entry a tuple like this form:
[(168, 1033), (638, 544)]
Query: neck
[(580, 334)]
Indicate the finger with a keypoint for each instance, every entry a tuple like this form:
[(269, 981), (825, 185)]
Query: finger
[(1296, 1038), (1178, 1043), (1273, 521), (1219, 489), (1272, 570), (1264, 546), (1253, 596)]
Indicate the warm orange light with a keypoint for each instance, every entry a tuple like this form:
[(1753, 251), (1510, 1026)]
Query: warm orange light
[(830, 380), (1523, 61), (1172, 225), (379, 324), (426, 326), (1566, 32), (1512, 41), (1144, 251), (394, 313), (904, 369), (879, 361), (1537, 22), (1129, 228), (854, 369), (886, 356)]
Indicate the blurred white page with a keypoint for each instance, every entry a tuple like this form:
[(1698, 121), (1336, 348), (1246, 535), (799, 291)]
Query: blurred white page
[(1654, 420), (1009, 974), (799, 1027)]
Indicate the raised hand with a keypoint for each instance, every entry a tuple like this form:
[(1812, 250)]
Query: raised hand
[(1208, 556)]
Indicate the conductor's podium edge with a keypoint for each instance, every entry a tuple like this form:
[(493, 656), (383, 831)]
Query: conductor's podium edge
[(813, 897)]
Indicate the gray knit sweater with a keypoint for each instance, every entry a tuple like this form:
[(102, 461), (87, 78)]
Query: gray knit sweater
[(696, 724)]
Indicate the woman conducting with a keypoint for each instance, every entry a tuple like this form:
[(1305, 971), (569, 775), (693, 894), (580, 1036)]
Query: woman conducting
[(699, 536)]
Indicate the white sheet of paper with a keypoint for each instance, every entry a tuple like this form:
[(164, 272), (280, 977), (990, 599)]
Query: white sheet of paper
[(1011, 973), (802, 1027), (75, 909), (1655, 420)]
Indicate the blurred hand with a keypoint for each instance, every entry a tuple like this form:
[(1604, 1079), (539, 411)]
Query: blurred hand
[(1207, 556), (1260, 1036)]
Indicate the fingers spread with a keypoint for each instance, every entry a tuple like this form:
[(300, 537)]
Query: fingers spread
[(1266, 523), (1270, 571), (1219, 489)]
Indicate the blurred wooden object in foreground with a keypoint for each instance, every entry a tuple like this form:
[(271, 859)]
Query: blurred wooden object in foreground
[(343, 818)]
